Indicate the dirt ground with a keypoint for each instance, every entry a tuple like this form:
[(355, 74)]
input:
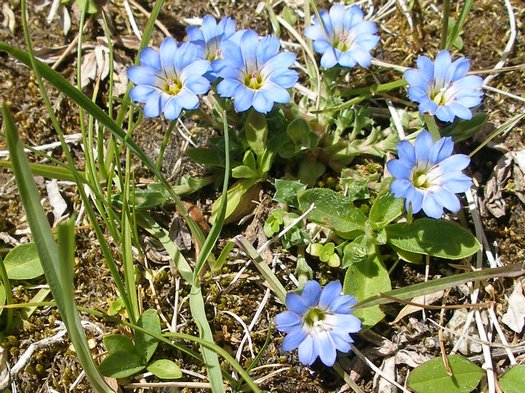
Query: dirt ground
[(498, 170)]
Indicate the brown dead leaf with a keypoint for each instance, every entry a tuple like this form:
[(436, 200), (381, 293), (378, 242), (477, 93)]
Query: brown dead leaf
[(514, 318), (410, 309)]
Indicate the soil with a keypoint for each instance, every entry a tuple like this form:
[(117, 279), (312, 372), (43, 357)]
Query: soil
[(55, 366)]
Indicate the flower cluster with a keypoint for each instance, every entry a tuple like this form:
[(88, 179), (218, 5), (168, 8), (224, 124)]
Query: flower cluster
[(442, 88), (343, 37), (428, 175), (319, 322), (253, 71)]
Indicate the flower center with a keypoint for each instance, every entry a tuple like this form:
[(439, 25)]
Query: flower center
[(314, 317), (173, 86), (438, 96), (420, 179), (341, 42), (254, 80)]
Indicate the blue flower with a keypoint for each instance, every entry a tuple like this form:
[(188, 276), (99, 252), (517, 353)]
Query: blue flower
[(319, 322), (169, 80), (442, 88), (343, 37), (211, 36), (428, 175), (254, 72)]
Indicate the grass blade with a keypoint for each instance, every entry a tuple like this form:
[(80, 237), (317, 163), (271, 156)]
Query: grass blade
[(57, 277)]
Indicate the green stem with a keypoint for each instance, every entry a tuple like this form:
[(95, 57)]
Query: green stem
[(8, 295), (444, 29), (432, 127), (164, 144)]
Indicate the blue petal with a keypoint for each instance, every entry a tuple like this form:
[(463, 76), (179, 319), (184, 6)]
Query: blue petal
[(321, 45), (327, 22), (227, 27), (140, 93), (423, 146), (428, 106), (401, 188), (417, 95), (284, 79), (352, 16), (249, 44), (417, 79), (362, 56), (459, 69), (275, 93), (196, 68), (329, 58), (198, 84), (267, 49), (431, 206), (426, 67), (311, 293), (444, 114), (278, 63), (454, 163), (172, 109), (168, 55), (243, 99), (414, 197), (344, 323), (341, 341), (195, 35), (342, 304), (406, 151), (150, 57), (329, 293), (337, 16), (294, 339), (347, 60), (459, 110), (261, 103), (144, 75), (441, 150), (288, 320), (209, 27), (295, 303), (327, 351), (400, 169), (315, 32), (308, 350), (447, 199), (152, 106), (187, 99), (457, 184), (227, 88), (189, 54), (441, 65)]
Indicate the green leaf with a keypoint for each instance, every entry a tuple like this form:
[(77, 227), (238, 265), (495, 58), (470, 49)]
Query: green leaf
[(91, 7), (23, 263), (3, 297), (165, 369), (298, 131), (235, 196), (144, 343), (118, 343), (385, 209), (437, 238), (256, 132), (209, 157), (365, 279), (309, 171), (513, 380), (121, 365), (286, 191), (334, 211), (244, 172), (431, 376), (355, 251), (461, 130)]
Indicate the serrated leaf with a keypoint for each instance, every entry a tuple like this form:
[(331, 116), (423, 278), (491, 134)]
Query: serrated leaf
[(118, 343), (144, 343), (432, 377), (334, 211), (364, 279), (286, 191), (513, 380), (165, 369), (438, 238), (121, 365), (385, 209), (23, 263)]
